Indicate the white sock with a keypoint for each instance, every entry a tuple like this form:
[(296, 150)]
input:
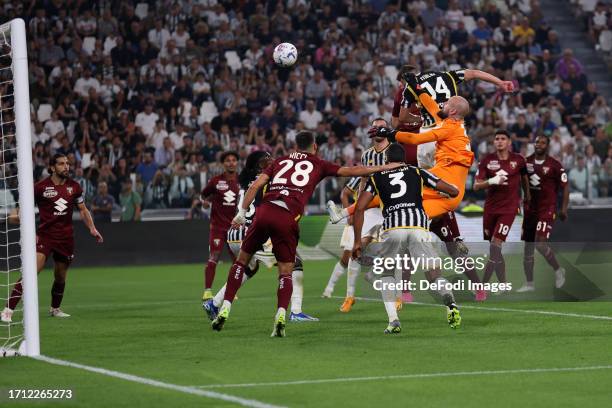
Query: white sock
[(218, 298), (344, 212), (227, 304), (280, 311), (389, 305), (351, 278), (298, 291), (339, 270)]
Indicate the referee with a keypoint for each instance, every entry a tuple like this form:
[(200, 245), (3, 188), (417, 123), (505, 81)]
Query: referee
[(405, 226)]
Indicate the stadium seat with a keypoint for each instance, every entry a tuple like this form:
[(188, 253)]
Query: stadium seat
[(208, 111), (44, 112), (89, 44), (233, 61), (142, 10)]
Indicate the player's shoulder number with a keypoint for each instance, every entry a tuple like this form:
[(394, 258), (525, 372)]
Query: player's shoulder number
[(301, 172)]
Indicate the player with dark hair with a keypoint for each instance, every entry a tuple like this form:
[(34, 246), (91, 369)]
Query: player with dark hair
[(221, 193), (405, 227), (502, 174), (546, 178), (291, 181), (56, 197)]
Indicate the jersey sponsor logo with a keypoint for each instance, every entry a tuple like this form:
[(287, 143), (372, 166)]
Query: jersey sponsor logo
[(222, 185), (50, 193), (493, 165), (60, 206), (534, 180), (229, 197)]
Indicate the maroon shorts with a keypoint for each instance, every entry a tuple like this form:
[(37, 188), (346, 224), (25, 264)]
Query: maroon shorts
[(62, 249), (496, 225), (217, 238), (277, 224), (445, 227), (537, 224)]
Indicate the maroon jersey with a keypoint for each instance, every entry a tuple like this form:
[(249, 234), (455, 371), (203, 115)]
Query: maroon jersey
[(55, 205), (546, 178), (503, 198), (410, 150), (294, 177), (222, 191)]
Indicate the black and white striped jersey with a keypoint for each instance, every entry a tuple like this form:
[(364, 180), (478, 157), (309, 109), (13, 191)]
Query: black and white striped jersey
[(372, 157), (238, 234), (440, 85), (401, 193)]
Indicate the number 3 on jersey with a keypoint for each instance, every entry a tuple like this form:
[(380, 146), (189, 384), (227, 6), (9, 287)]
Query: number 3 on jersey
[(300, 175), (397, 179)]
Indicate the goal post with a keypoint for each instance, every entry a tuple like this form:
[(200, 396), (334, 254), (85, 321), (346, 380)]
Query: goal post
[(16, 143)]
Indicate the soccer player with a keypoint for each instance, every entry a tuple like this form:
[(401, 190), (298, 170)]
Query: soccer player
[(221, 193), (56, 197), (256, 162), (346, 241), (292, 179), (502, 174), (546, 178), (405, 226)]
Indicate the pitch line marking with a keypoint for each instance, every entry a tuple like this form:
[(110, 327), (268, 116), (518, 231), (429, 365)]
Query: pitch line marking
[(251, 403), (409, 376), (498, 309)]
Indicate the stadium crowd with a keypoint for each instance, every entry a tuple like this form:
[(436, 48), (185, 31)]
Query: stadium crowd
[(144, 96)]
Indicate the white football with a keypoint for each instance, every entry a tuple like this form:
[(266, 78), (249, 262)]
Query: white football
[(285, 54)]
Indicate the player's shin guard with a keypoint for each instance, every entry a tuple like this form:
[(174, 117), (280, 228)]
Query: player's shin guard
[(285, 288), (500, 263), (338, 271), (297, 278), (354, 267), (218, 298), (209, 274), (57, 294), (15, 297), (549, 255), (234, 281)]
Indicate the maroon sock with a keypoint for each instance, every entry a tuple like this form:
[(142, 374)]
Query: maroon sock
[(489, 268), (528, 265), (57, 293), (15, 296), (285, 289), (234, 280), (209, 274), (500, 269), (549, 255), (472, 275)]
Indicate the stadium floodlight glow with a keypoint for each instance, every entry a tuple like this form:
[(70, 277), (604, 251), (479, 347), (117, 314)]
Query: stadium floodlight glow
[(16, 156)]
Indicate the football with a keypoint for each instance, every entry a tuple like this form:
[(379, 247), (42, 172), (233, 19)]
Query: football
[(285, 54)]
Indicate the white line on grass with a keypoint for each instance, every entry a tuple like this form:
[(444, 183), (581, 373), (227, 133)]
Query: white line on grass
[(499, 309), (409, 376), (159, 384)]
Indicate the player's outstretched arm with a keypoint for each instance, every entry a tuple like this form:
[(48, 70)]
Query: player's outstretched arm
[(249, 196), (88, 220), (447, 188), (360, 171), (362, 204), (506, 86)]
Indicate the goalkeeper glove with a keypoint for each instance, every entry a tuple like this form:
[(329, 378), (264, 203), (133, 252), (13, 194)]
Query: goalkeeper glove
[(497, 180), (388, 133), (240, 217)]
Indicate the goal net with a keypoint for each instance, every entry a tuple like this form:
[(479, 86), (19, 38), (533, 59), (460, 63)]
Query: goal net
[(19, 333)]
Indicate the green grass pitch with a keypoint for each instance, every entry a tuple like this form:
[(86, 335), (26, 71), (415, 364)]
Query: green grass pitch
[(147, 321)]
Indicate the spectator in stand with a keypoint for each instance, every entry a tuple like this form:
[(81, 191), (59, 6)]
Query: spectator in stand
[(130, 202), (566, 63), (102, 204)]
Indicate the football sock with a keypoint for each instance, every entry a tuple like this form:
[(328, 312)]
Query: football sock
[(57, 293), (218, 298), (489, 268), (447, 295), (500, 264), (528, 265), (549, 255), (339, 270), (285, 287), (209, 274), (472, 275), (297, 279), (389, 298), (234, 281), (15, 296), (351, 278)]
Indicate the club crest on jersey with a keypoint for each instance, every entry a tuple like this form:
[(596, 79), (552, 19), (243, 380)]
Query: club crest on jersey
[(493, 165), (216, 241), (545, 169), (69, 190), (222, 185), (50, 192), (513, 164)]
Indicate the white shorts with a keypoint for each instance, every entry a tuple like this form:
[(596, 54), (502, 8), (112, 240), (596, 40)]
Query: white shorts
[(416, 242), (348, 238), (426, 152), (265, 256), (372, 220)]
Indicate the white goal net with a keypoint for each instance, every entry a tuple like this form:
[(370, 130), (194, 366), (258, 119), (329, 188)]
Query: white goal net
[(18, 331)]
